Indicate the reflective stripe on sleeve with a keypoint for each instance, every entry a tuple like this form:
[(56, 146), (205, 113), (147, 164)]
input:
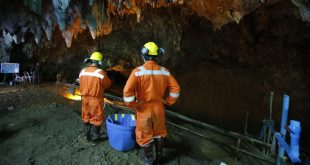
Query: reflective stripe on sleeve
[(129, 99), (174, 94), (92, 74)]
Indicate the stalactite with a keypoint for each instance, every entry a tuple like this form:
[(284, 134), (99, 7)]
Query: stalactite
[(4, 54), (131, 7), (67, 35), (119, 6), (38, 34), (107, 28), (72, 17), (18, 37), (76, 27), (99, 11), (23, 31), (48, 26), (138, 12), (90, 2), (92, 24), (34, 5), (81, 14), (61, 7), (8, 38), (303, 9), (128, 4), (220, 12)]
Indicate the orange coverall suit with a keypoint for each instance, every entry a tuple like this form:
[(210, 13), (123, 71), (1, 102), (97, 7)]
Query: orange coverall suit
[(93, 82), (144, 91)]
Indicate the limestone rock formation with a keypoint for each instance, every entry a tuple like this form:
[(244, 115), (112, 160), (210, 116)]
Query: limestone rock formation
[(72, 17)]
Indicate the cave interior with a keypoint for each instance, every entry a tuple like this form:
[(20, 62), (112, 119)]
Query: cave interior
[(228, 56)]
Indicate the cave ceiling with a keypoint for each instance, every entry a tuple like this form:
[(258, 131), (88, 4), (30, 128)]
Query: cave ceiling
[(41, 17)]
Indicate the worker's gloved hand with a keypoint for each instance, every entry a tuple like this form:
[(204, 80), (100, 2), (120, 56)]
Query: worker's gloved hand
[(135, 105), (132, 105), (139, 104)]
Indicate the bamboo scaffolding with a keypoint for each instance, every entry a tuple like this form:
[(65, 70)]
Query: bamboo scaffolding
[(118, 103), (269, 160), (215, 129)]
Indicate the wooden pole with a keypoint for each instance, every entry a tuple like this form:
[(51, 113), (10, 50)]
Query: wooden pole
[(270, 160), (246, 123), (237, 150), (216, 129), (270, 105), (269, 137)]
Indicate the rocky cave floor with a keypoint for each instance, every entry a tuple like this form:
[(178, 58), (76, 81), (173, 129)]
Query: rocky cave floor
[(38, 126)]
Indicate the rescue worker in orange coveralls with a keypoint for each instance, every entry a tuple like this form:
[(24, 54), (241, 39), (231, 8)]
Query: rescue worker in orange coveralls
[(93, 82), (144, 92)]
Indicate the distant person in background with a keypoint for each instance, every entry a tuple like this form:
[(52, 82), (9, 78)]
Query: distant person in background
[(93, 82), (36, 73), (144, 92), (58, 77)]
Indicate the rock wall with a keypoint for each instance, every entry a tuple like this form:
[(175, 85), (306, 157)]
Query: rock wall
[(229, 72)]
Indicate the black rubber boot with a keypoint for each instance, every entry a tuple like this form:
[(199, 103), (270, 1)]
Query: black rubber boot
[(148, 154), (95, 133), (86, 131), (159, 144)]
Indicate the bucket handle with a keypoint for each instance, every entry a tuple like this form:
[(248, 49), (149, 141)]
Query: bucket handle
[(110, 120)]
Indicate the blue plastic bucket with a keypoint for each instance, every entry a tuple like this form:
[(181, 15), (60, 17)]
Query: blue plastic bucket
[(121, 131)]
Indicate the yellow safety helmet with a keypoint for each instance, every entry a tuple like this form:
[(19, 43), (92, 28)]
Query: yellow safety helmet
[(150, 48), (96, 56)]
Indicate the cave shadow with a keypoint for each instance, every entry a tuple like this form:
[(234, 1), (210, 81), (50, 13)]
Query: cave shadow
[(3, 112), (117, 77), (169, 155), (6, 132), (174, 149), (305, 156), (78, 111)]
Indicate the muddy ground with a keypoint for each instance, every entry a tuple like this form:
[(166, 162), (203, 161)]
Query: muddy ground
[(38, 126)]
